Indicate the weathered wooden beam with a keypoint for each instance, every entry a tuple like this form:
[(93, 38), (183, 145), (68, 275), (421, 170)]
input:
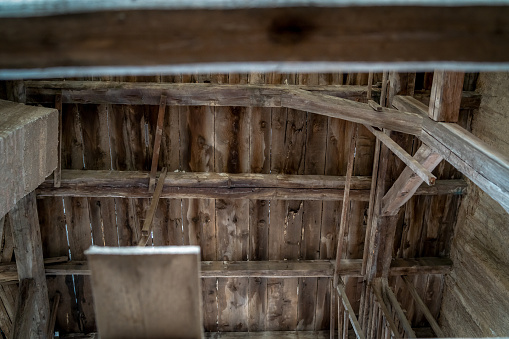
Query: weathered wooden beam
[(275, 269), (195, 94), (28, 145), (377, 289), (403, 320), (50, 334), (444, 104), (413, 164), (90, 183), (481, 163), (408, 182), (31, 318), (424, 309), (426, 35), (351, 313), (149, 217), (57, 174), (157, 143), (345, 209), (353, 111)]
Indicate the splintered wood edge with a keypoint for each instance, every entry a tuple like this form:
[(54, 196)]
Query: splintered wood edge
[(134, 250)]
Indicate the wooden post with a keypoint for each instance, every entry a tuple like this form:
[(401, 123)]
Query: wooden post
[(33, 305), (53, 316), (444, 104), (58, 171), (157, 143)]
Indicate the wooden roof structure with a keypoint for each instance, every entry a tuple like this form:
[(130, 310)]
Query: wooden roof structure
[(323, 202)]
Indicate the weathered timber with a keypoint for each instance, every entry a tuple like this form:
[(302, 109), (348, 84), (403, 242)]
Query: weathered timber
[(147, 224), (33, 313), (177, 94), (28, 150), (157, 143), (408, 182), (57, 176), (413, 164), (377, 289), (234, 335), (485, 166), (50, 334), (424, 309), (445, 100), (267, 269), (130, 291), (27, 322), (133, 184), (345, 209), (351, 313), (397, 308), (469, 99), (358, 112), (219, 30)]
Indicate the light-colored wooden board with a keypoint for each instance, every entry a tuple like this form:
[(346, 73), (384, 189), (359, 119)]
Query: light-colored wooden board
[(132, 296)]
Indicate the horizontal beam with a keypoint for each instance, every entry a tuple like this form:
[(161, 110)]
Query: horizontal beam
[(469, 99), (201, 94), (131, 184), (204, 33), (264, 269)]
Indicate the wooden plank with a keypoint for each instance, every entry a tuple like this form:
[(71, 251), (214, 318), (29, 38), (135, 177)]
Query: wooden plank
[(269, 334), (397, 308), (157, 143), (424, 309), (50, 333), (446, 96), (58, 172), (191, 94), (412, 163), (377, 289), (32, 315), (147, 223), (231, 135), (321, 37), (345, 210), (469, 99), (403, 188), (133, 184), (28, 144), (197, 146), (144, 273), (344, 299)]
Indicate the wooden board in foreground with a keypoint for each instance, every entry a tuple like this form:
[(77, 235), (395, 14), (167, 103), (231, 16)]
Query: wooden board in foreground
[(146, 292)]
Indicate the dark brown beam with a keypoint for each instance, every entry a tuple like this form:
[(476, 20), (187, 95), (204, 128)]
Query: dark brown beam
[(89, 183), (274, 269), (202, 32)]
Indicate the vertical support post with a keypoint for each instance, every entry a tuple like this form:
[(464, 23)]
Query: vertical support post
[(444, 103), (31, 316), (57, 176)]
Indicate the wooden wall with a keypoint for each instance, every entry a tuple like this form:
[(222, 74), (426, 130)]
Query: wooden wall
[(235, 140), (476, 299)]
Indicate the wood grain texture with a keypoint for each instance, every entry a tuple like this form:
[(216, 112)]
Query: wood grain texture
[(32, 313), (128, 287), (307, 34), (446, 96)]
